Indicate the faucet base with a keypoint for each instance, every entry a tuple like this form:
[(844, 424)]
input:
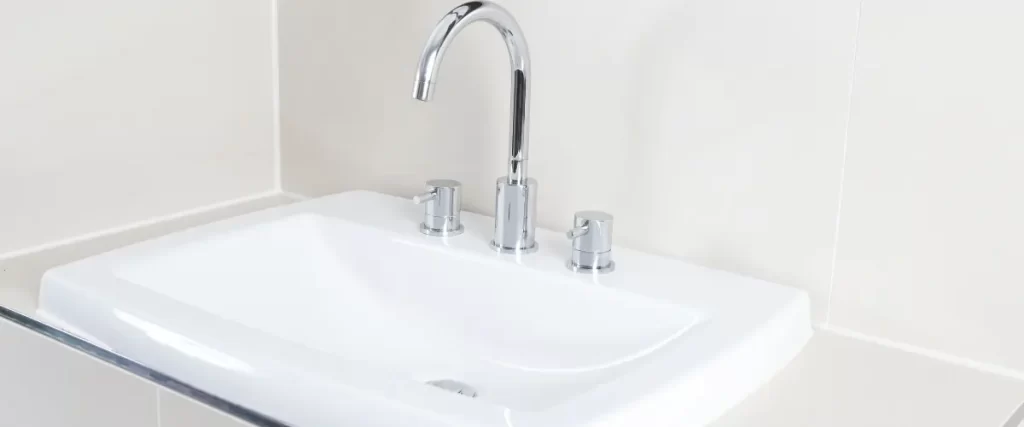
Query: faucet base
[(515, 208), (505, 250), (445, 231), (589, 262)]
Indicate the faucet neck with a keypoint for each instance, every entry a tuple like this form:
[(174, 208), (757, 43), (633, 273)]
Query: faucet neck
[(446, 30)]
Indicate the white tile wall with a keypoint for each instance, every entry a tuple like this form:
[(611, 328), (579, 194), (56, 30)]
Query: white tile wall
[(115, 111), (717, 131), (712, 129), (179, 411), (45, 384), (933, 208)]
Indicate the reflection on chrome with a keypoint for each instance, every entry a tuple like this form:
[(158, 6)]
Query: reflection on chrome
[(183, 344)]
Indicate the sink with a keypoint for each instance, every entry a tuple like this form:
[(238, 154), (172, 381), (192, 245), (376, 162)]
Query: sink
[(521, 339), (337, 311)]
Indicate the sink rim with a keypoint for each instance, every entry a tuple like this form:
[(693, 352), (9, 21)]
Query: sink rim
[(636, 266)]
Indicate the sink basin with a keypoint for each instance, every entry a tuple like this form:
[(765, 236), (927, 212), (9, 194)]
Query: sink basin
[(337, 311), (521, 339)]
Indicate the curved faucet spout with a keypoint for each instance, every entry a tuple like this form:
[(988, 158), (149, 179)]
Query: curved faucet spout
[(433, 53)]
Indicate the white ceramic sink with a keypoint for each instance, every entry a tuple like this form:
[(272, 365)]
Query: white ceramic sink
[(337, 311)]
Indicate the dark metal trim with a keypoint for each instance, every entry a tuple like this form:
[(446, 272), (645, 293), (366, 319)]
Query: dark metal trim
[(163, 380)]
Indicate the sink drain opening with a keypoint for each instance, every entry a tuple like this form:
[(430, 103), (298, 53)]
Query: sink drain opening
[(454, 387)]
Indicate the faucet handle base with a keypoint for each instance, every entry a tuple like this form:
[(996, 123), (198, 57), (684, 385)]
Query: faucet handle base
[(513, 250), (442, 208), (591, 237), (443, 231), (586, 269)]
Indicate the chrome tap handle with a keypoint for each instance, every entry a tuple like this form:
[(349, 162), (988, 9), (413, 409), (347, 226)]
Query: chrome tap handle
[(577, 232), (422, 198), (442, 208), (591, 237)]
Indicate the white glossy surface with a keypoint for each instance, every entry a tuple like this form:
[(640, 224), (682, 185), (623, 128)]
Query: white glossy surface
[(335, 311), (522, 339)]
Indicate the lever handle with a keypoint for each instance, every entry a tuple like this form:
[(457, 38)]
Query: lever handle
[(577, 232), (422, 198)]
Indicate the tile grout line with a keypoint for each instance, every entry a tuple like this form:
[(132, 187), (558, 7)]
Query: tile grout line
[(842, 168), (295, 196), (988, 368), (276, 166), (137, 224), (275, 71)]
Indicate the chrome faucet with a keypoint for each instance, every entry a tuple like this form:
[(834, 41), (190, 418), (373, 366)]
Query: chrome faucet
[(515, 202)]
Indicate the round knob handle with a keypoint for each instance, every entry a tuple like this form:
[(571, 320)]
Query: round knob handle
[(443, 207), (592, 231), (438, 188), (443, 183), (588, 216), (591, 242)]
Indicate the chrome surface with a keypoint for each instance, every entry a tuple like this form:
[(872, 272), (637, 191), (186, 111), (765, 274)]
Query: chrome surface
[(442, 211), (514, 202), (135, 368), (515, 207), (591, 237)]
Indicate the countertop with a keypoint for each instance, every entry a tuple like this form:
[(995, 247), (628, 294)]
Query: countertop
[(837, 381)]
